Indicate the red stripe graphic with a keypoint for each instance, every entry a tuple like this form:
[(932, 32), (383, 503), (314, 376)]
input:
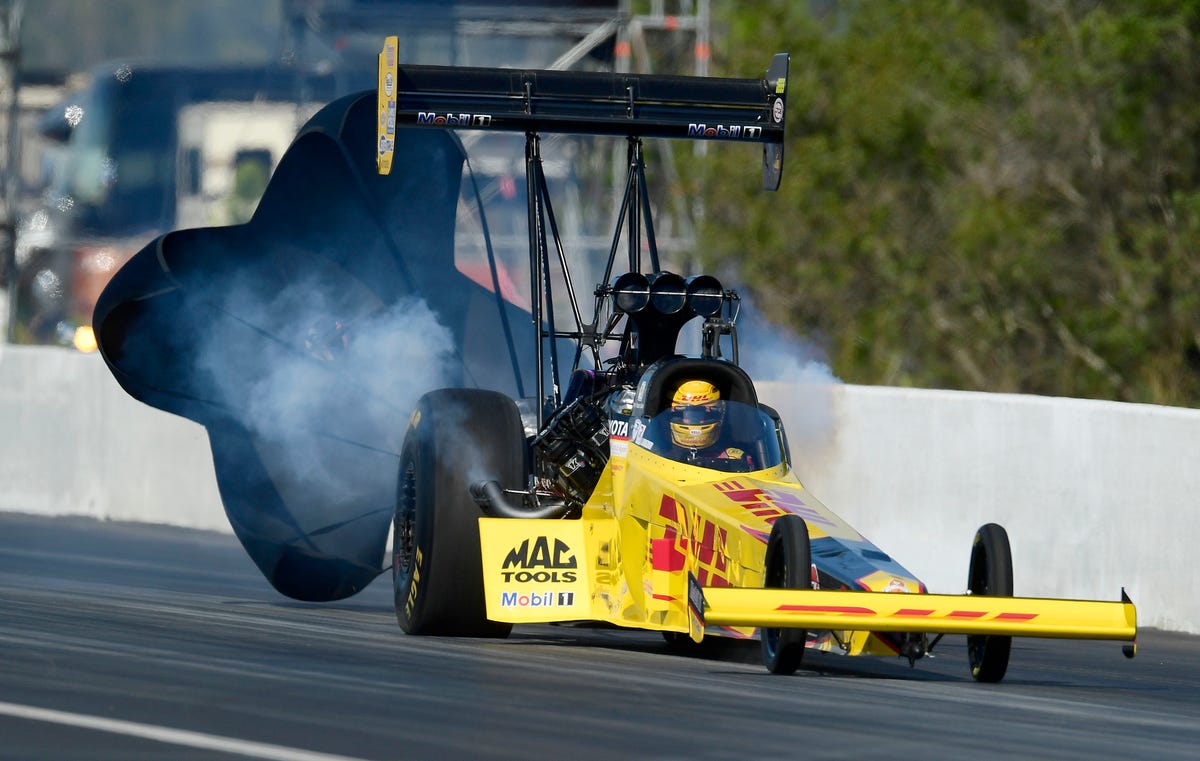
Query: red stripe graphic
[(665, 556), (903, 612), (667, 509), (846, 610)]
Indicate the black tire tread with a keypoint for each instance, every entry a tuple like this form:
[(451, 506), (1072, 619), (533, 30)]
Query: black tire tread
[(788, 565), (460, 435), (990, 574)]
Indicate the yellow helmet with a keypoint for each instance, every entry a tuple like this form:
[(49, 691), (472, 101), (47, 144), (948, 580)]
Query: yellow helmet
[(697, 413)]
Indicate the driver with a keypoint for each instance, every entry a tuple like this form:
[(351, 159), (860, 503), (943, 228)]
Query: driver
[(697, 415)]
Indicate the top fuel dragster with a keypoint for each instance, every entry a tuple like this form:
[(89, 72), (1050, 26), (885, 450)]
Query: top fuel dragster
[(621, 501)]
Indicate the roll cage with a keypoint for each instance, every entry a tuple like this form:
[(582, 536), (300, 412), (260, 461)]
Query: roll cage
[(634, 106)]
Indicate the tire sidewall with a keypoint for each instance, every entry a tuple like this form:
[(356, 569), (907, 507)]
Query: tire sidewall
[(783, 648)]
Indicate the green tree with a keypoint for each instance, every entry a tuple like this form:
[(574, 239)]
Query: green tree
[(992, 196)]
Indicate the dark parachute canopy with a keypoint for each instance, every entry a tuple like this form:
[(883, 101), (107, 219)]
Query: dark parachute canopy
[(302, 339)]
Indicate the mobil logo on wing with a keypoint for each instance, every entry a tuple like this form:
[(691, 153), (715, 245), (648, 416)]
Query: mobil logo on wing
[(454, 120), (537, 599), (536, 560), (724, 131)]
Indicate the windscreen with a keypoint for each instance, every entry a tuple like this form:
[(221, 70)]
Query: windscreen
[(727, 436)]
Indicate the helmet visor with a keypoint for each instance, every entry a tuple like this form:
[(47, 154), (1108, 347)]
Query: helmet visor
[(698, 414), (697, 426)]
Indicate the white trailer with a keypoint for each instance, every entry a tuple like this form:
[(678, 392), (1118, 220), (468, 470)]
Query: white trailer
[(227, 152)]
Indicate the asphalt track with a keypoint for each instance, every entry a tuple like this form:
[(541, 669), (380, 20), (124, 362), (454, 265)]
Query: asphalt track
[(122, 641)]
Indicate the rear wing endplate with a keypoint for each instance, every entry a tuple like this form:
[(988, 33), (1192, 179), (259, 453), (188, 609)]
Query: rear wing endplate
[(597, 103)]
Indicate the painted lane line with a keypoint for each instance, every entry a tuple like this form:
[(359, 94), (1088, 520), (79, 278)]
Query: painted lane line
[(168, 735)]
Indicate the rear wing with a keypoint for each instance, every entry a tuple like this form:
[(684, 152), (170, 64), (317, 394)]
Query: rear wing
[(597, 103)]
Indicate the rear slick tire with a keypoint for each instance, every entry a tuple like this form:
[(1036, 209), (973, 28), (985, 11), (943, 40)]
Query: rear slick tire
[(788, 566), (455, 437), (990, 574)]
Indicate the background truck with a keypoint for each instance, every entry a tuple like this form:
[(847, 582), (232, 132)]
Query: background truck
[(141, 150)]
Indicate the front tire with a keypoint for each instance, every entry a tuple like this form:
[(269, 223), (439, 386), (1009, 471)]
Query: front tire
[(990, 574), (788, 566), (455, 437)]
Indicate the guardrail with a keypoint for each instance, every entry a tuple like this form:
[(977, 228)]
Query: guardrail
[(1095, 495)]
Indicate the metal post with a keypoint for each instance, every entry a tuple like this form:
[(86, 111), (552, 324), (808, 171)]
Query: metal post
[(10, 57), (536, 257), (634, 229)]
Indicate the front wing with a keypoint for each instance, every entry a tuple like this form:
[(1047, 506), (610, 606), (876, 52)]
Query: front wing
[(541, 571), (944, 614)]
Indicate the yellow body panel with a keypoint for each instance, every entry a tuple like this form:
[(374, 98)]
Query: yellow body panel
[(536, 570), (663, 545)]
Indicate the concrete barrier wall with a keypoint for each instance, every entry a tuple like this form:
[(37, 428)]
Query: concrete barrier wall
[(72, 442), (1094, 495)]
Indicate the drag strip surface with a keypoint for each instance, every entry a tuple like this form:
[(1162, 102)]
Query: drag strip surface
[(139, 642)]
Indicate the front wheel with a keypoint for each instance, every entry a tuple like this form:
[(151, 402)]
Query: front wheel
[(990, 574), (455, 437), (788, 566)]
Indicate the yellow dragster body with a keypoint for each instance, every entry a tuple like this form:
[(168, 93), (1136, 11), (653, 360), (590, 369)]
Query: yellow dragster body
[(664, 545), (596, 508)]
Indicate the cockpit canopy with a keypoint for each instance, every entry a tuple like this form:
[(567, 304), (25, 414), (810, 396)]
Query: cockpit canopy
[(747, 440)]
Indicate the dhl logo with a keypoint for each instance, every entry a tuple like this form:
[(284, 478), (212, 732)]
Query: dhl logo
[(771, 504), (707, 540), (924, 613)]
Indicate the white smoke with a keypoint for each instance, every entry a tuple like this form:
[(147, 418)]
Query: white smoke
[(795, 376), (329, 396)]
